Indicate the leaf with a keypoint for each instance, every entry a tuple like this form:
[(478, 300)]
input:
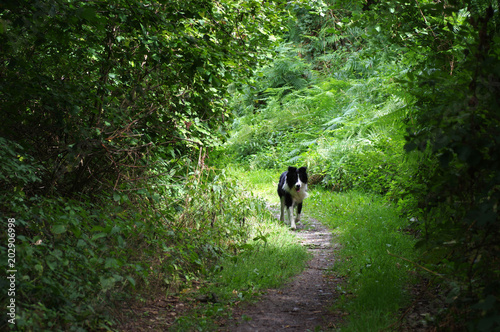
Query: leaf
[(131, 280), (486, 304), (58, 229), (111, 263), (107, 283), (51, 263), (87, 13), (39, 268), (98, 236), (445, 158), (57, 254)]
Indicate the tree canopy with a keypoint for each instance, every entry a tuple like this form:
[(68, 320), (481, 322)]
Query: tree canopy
[(92, 88)]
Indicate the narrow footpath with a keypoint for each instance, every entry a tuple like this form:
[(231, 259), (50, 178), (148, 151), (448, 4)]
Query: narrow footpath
[(305, 303)]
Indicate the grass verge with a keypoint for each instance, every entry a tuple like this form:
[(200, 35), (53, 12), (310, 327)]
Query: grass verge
[(367, 227), (267, 260)]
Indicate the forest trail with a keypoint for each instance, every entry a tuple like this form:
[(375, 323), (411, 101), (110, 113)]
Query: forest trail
[(305, 302)]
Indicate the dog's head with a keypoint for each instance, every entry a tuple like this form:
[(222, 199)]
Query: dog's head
[(296, 178)]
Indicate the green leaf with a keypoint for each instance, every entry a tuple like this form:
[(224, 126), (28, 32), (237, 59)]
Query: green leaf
[(131, 280), (58, 229), (410, 146), (486, 304), (107, 283), (51, 263), (57, 254), (98, 236), (111, 263), (39, 268), (88, 14)]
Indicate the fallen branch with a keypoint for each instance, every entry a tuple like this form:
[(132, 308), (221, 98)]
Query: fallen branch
[(418, 265)]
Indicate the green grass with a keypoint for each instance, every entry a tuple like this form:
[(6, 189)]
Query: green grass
[(367, 227), (274, 254), (268, 262), (260, 182), (270, 257)]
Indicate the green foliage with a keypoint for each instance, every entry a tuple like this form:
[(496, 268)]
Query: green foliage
[(71, 255), (349, 132), (368, 227), (77, 258), (107, 113), (451, 63), (285, 74), (97, 92), (457, 121), (423, 75), (17, 169)]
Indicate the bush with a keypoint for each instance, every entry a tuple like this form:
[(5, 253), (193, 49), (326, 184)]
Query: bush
[(76, 258)]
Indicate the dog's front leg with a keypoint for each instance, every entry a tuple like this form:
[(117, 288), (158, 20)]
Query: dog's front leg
[(299, 210), (291, 222)]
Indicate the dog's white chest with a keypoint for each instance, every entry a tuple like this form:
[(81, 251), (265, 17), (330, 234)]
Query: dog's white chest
[(297, 196)]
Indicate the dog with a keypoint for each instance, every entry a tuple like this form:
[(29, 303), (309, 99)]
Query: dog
[(292, 190)]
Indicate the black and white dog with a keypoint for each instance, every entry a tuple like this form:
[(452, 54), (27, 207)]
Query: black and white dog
[(292, 189)]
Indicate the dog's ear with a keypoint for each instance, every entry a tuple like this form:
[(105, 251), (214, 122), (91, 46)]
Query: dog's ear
[(292, 169), (303, 174)]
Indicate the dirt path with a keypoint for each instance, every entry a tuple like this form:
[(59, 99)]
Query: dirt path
[(304, 303)]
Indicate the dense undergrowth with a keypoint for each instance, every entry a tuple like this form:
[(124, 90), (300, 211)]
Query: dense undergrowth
[(108, 112), (78, 259), (82, 262)]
